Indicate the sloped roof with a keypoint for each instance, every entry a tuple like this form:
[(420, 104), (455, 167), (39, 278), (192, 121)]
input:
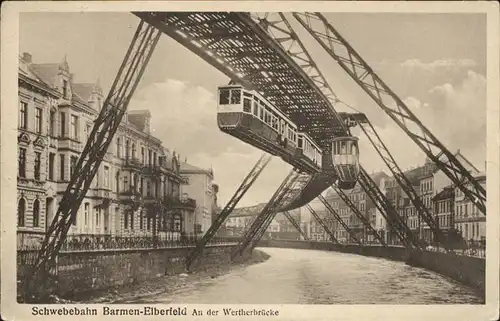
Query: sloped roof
[(188, 168), (46, 72), (445, 193), (83, 90)]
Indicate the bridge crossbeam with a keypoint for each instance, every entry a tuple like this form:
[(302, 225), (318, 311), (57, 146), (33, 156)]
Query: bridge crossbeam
[(265, 214), (323, 225), (396, 224), (361, 217), (339, 219), (288, 194), (295, 224)]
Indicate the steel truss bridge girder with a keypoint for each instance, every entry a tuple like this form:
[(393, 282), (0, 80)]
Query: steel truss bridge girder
[(267, 212), (399, 176), (236, 34), (288, 194), (252, 176), (388, 211), (360, 215), (339, 219), (114, 107), (323, 225), (295, 224), (340, 50)]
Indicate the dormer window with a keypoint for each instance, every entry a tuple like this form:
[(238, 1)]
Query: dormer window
[(65, 88)]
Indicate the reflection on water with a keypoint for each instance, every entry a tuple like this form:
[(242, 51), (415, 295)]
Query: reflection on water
[(317, 277)]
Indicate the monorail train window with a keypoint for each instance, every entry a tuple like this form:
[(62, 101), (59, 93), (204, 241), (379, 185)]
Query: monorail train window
[(256, 107), (235, 96), (354, 148), (247, 105), (224, 96), (299, 142), (274, 121), (261, 114)]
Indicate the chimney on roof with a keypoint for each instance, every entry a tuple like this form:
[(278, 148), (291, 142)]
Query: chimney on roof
[(27, 57)]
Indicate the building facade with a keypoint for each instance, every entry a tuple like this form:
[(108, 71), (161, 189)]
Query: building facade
[(199, 186), (468, 219), (136, 189)]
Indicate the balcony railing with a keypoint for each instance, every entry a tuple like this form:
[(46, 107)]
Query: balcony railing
[(69, 143), (177, 203), (151, 169), (133, 162)]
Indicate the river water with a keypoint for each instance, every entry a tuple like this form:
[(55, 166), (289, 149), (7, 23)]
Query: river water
[(293, 276)]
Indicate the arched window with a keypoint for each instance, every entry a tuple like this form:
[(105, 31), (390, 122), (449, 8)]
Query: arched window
[(36, 213), (127, 148), (133, 150), (21, 211)]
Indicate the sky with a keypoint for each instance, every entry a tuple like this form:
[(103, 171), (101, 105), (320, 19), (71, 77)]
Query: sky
[(436, 63)]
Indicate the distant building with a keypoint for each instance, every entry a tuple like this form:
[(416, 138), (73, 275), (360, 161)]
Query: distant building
[(199, 186), (468, 219), (444, 208), (364, 205)]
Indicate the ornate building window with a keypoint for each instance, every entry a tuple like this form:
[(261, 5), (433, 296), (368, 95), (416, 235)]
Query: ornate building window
[(118, 147), (21, 162), (36, 213), (51, 166), (23, 115), (86, 214), (38, 120), (74, 127), (72, 165), (38, 161), (52, 123), (62, 121), (21, 212)]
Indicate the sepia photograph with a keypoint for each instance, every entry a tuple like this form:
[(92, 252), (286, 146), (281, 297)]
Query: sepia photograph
[(228, 156)]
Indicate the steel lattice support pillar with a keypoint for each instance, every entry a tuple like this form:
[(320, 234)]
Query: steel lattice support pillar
[(288, 193), (295, 224), (323, 225), (387, 210), (242, 189), (105, 126), (266, 214), (340, 50), (339, 219), (361, 217), (399, 176)]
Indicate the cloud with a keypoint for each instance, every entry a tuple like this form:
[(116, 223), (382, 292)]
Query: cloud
[(435, 65), (455, 114)]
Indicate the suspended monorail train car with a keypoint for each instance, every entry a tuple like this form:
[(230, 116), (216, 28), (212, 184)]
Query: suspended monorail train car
[(345, 157), (247, 115)]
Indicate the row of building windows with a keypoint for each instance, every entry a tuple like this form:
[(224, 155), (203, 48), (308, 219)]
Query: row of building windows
[(24, 116), (145, 221), (474, 230)]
